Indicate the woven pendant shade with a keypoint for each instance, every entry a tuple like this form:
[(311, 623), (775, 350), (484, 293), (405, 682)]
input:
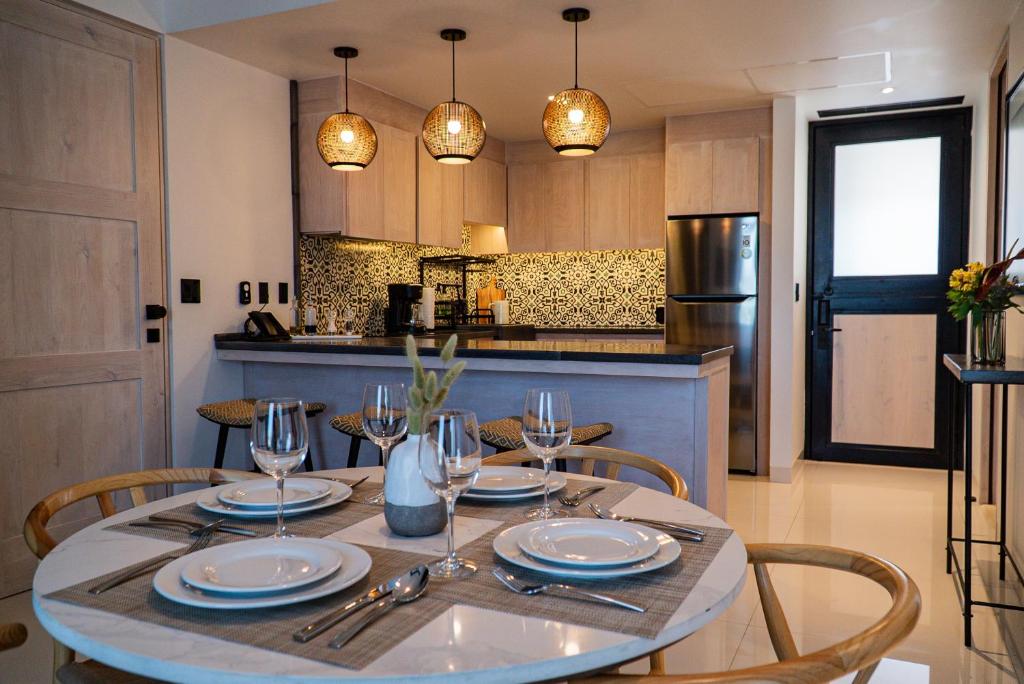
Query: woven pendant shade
[(347, 141), (454, 133), (576, 122)]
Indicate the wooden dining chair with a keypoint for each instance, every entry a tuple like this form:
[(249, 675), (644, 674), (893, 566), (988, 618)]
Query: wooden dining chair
[(613, 460), (12, 635), (39, 540), (860, 653)]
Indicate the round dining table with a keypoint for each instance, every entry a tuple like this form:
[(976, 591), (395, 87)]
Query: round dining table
[(465, 644)]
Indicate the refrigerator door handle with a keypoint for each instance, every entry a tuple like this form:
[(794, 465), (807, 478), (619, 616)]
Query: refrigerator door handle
[(711, 299)]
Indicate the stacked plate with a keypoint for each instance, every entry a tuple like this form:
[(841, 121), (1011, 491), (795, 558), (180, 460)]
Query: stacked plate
[(586, 548), (511, 483), (258, 498), (260, 573)]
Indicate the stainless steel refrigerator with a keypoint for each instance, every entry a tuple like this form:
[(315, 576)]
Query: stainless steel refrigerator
[(711, 298)]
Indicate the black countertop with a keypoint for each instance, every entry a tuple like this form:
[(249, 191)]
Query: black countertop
[(548, 350), (657, 330), (1010, 373)]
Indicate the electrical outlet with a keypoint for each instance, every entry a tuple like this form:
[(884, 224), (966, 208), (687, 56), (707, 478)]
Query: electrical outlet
[(264, 293), (282, 293), (244, 292)]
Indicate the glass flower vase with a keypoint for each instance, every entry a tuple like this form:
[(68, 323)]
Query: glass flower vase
[(988, 337)]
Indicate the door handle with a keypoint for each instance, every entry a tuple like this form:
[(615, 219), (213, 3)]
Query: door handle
[(155, 312), (832, 330)]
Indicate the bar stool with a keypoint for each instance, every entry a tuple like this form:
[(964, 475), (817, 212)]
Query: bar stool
[(351, 424), (238, 413), (506, 434)]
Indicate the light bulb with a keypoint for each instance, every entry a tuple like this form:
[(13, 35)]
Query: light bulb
[(576, 116), (454, 126), (347, 136)]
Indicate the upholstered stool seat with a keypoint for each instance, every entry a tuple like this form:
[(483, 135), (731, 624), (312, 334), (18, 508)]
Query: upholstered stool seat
[(351, 424), (506, 434), (238, 413)]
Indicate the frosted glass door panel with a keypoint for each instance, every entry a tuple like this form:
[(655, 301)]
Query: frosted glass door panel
[(887, 208), (883, 380)]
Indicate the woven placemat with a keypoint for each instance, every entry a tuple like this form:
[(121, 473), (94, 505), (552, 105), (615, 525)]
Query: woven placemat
[(613, 493), (661, 591)]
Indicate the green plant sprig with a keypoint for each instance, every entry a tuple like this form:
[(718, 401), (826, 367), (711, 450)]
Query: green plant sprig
[(427, 393)]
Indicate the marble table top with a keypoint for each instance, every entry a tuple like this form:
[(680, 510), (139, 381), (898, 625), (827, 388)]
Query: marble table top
[(464, 644)]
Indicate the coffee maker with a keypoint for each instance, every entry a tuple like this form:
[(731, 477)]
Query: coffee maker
[(403, 316)]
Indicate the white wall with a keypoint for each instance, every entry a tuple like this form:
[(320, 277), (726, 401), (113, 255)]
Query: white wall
[(228, 159)]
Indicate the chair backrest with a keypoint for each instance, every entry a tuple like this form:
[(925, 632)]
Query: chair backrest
[(40, 541), (860, 653), (588, 456), (12, 635)]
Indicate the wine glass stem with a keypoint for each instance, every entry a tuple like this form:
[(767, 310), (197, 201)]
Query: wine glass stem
[(280, 506), (547, 488), (450, 503), (385, 450)]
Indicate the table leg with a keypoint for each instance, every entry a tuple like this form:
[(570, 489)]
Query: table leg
[(968, 455), (1002, 488), (950, 463)]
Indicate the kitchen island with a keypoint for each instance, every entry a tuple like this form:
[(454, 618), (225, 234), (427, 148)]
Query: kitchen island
[(670, 402)]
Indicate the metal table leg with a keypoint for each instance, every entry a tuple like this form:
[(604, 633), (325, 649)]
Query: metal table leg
[(1002, 488), (950, 463), (968, 455)]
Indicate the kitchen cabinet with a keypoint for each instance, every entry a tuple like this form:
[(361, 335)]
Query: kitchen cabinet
[(608, 191), (486, 198), (647, 201), (378, 202), (711, 176), (546, 207), (440, 198)]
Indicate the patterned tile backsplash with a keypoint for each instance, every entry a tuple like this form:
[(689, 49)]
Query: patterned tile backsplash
[(613, 289)]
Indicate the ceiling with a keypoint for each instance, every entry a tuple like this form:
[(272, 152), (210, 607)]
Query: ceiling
[(647, 58)]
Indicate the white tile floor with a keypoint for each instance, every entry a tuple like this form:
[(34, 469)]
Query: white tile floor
[(893, 512)]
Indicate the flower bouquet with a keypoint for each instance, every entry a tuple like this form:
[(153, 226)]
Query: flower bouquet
[(984, 293)]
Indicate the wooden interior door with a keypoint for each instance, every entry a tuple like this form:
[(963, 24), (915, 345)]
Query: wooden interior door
[(82, 381)]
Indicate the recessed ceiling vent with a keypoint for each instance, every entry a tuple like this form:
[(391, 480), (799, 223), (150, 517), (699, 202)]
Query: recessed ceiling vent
[(816, 74)]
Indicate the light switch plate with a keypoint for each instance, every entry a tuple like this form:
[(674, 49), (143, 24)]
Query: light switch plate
[(244, 292)]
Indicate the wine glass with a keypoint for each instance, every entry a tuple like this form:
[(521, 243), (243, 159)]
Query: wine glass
[(547, 429), (450, 463), (279, 443), (385, 421)]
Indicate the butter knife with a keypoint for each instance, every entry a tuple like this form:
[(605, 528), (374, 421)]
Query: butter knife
[(321, 625), (157, 520)]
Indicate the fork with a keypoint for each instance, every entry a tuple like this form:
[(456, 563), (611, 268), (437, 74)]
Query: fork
[(201, 543), (565, 590), (574, 500)]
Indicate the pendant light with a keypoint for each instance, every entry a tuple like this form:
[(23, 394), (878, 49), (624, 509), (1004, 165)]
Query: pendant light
[(576, 120), (347, 141), (454, 132)]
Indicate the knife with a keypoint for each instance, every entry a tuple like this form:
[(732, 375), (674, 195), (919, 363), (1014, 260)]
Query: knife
[(315, 629), (230, 529)]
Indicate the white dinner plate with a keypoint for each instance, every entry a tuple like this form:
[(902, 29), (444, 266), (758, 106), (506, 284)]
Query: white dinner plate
[(506, 545), (263, 493), (557, 482), (503, 479), (209, 501), (355, 563), (261, 566), (583, 542)]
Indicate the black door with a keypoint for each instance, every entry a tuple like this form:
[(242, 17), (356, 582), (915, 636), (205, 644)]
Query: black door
[(888, 221)]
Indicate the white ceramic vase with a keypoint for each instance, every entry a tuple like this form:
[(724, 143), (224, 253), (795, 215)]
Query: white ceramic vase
[(411, 508)]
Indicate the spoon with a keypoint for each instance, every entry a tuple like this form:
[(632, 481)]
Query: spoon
[(408, 588), (602, 512)]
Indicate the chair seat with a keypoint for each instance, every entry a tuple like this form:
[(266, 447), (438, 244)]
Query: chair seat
[(350, 424), (239, 412), (92, 672), (506, 434)]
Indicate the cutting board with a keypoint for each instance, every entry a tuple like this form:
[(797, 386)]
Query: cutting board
[(487, 294)]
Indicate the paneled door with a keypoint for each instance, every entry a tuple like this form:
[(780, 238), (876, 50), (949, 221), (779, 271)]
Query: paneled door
[(888, 222), (82, 370)]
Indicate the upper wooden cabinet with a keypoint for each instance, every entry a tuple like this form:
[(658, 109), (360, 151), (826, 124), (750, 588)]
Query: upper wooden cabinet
[(734, 183), (647, 201), (608, 190), (486, 198), (440, 201), (689, 172), (546, 206), (378, 202)]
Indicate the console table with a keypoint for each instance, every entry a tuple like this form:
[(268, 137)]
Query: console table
[(969, 374)]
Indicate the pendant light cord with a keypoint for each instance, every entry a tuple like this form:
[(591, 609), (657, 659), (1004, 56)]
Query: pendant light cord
[(453, 71), (346, 85), (576, 55)]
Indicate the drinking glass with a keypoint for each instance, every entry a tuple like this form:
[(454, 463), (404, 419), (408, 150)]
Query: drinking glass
[(279, 442), (547, 429), (450, 463), (385, 421)]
